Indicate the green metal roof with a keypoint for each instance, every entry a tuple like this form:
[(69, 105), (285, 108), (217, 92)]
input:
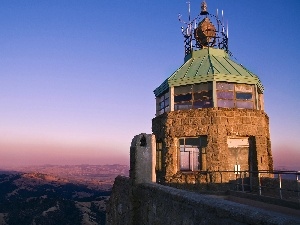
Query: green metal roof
[(209, 65)]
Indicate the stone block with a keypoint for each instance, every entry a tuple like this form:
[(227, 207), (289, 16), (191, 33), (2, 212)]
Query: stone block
[(246, 120), (231, 120), (216, 120), (185, 121), (229, 113), (205, 121), (195, 121)]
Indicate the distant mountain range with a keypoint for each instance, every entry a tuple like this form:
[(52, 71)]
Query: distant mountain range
[(57, 194)]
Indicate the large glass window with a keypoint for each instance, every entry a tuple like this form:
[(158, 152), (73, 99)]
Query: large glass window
[(190, 149), (193, 96), (231, 95), (163, 103)]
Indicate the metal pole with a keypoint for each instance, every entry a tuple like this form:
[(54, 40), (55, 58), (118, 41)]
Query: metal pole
[(298, 184), (250, 177), (242, 182), (279, 176), (259, 184), (237, 182)]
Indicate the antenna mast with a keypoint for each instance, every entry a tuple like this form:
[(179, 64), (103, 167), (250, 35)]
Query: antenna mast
[(204, 31), (188, 32)]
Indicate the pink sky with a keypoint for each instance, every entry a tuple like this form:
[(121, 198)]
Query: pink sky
[(286, 157), (20, 154)]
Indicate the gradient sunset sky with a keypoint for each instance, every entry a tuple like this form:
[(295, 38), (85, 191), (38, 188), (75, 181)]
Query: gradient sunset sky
[(77, 77)]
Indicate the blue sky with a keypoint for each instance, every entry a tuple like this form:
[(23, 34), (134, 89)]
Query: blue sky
[(78, 76)]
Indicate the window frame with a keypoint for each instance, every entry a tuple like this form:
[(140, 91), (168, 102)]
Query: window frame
[(163, 103), (184, 148), (158, 164), (194, 91), (235, 89)]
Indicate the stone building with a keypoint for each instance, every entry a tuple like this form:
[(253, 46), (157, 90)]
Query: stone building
[(210, 115), (210, 133)]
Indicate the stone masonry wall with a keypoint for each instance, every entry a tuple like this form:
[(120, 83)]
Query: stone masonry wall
[(119, 210), (218, 124), (154, 204), (142, 156)]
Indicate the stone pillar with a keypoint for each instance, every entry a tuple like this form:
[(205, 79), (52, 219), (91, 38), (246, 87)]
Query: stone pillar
[(261, 102), (142, 158), (171, 99), (214, 94)]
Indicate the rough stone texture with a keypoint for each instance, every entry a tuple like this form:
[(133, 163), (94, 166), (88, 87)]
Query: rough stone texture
[(119, 209), (218, 124), (142, 156), (154, 204)]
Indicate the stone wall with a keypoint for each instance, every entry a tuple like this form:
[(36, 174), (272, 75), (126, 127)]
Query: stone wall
[(119, 210), (217, 124), (154, 204), (142, 158)]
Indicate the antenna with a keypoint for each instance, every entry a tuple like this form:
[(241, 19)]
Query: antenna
[(218, 23), (222, 16), (189, 4), (189, 10), (227, 29), (179, 17), (223, 21), (206, 34)]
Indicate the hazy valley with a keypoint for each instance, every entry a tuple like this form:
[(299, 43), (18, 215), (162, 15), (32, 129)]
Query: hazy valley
[(57, 194)]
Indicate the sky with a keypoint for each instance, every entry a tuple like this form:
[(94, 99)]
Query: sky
[(77, 77)]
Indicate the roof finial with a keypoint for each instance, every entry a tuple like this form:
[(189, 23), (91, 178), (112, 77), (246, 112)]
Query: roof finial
[(203, 8)]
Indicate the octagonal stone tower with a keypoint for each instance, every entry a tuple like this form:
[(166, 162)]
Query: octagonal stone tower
[(210, 115)]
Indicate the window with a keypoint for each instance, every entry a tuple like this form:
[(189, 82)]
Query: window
[(158, 156), (193, 96), (230, 95), (163, 103), (191, 150)]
